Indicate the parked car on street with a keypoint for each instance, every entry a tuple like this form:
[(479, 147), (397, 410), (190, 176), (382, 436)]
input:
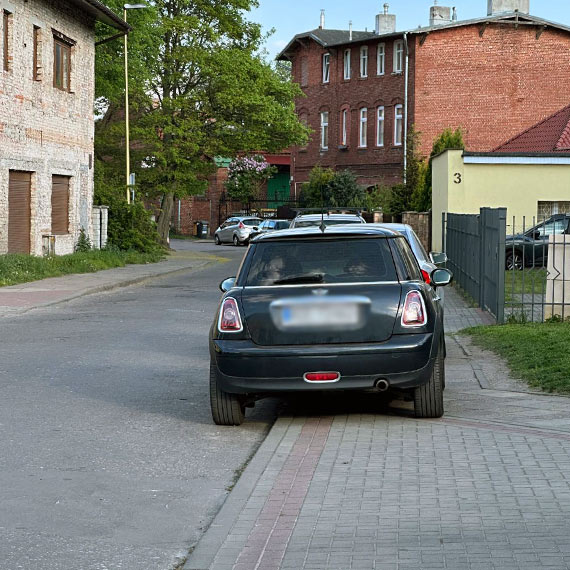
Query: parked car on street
[(428, 263), (236, 229), (270, 225), (530, 248), (341, 309), (332, 219)]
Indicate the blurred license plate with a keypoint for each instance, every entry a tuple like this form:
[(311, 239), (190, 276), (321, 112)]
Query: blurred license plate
[(320, 314)]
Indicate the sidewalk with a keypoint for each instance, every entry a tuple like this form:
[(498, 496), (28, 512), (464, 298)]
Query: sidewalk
[(21, 298), (487, 486)]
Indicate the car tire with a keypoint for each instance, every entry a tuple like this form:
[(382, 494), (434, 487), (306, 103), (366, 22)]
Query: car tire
[(428, 399), (236, 241), (227, 409), (217, 240), (513, 261)]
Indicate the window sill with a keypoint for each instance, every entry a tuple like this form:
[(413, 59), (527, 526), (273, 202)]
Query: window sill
[(397, 72), (343, 147)]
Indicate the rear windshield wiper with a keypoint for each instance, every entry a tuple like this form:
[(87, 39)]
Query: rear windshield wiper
[(308, 278)]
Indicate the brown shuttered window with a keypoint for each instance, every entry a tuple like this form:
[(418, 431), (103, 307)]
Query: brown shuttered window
[(60, 205), (6, 24), (19, 226)]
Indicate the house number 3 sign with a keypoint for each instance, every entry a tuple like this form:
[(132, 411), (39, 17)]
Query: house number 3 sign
[(457, 178)]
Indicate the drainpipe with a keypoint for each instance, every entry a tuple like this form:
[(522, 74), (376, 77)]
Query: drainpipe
[(406, 106)]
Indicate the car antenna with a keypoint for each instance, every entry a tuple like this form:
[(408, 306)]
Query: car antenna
[(322, 226)]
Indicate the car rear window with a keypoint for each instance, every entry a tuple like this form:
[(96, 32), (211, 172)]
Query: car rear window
[(332, 261), (251, 222)]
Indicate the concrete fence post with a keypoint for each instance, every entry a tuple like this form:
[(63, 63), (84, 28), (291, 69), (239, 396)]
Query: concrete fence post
[(96, 218)]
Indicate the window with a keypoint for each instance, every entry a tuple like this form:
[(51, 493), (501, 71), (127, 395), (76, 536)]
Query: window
[(6, 33), (398, 123), (363, 127), (324, 130), (62, 62), (344, 127), (381, 59), (364, 61), (398, 56), (37, 63), (326, 67), (60, 205), (347, 64), (380, 126)]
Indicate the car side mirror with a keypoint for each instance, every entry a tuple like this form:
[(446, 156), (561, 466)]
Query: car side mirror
[(255, 228), (441, 277), (536, 235), (227, 284), (437, 257)]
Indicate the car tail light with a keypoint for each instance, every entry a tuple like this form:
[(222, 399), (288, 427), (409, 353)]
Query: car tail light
[(426, 276), (241, 226), (414, 313), (321, 376), (229, 320)]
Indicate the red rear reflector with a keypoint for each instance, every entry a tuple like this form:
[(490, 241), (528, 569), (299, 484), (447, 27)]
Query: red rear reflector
[(426, 277), (414, 313), (241, 226), (229, 320), (321, 376)]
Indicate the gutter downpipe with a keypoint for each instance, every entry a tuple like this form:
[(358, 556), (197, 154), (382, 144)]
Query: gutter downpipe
[(406, 106)]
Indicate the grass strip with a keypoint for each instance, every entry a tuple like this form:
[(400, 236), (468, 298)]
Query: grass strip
[(16, 268), (529, 281), (539, 353)]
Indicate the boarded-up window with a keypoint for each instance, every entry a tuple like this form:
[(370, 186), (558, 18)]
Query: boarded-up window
[(37, 63), (304, 72), (60, 205), (19, 226)]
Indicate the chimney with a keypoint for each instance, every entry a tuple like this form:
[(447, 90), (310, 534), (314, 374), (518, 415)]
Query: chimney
[(385, 23), (439, 15), (495, 7), (454, 15), (350, 30), (322, 24)]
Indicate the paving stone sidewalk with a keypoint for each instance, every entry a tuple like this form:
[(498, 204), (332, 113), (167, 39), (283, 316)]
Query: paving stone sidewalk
[(344, 487)]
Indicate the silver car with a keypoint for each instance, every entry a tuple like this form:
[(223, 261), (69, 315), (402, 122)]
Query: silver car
[(236, 230), (311, 220)]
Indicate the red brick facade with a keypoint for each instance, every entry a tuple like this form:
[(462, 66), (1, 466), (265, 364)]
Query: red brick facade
[(491, 80)]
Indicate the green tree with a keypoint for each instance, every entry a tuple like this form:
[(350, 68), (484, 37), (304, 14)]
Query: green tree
[(447, 139), (246, 175), (332, 189), (204, 92)]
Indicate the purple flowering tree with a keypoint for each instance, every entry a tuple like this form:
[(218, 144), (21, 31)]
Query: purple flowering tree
[(246, 176)]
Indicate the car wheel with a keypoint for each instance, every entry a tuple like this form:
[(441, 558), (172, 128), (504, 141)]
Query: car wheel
[(236, 241), (513, 261), (217, 240), (227, 409), (428, 399)]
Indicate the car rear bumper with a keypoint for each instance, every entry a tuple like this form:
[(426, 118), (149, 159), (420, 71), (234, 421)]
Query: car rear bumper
[(405, 361)]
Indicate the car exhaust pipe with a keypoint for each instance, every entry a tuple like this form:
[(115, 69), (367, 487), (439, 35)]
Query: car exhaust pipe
[(382, 385)]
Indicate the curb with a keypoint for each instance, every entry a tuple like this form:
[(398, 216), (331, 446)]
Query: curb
[(203, 554)]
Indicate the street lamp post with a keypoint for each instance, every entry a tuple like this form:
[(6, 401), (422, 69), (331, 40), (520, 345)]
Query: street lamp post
[(127, 141)]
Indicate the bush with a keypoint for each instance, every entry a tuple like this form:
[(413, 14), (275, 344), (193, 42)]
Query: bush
[(83, 243)]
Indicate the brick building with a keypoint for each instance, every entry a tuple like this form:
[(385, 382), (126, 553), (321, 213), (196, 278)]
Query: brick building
[(47, 84), (493, 76)]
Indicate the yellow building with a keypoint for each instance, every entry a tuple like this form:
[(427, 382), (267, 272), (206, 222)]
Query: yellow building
[(529, 175)]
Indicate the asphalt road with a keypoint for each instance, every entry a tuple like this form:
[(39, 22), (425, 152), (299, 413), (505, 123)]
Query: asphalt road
[(108, 455)]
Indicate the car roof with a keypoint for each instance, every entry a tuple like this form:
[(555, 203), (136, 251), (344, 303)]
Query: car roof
[(393, 226), (251, 216), (326, 216), (353, 230)]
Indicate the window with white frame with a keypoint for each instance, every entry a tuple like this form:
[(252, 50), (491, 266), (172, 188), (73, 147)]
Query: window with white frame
[(381, 59), (398, 124), (398, 56), (363, 127), (326, 67), (380, 126), (347, 64), (324, 130), (364, 61), (344, 127)]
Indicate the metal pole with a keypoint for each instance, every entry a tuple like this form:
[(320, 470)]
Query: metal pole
[(127, 143)]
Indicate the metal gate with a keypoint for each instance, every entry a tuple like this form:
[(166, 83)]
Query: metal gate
[(475, 247)]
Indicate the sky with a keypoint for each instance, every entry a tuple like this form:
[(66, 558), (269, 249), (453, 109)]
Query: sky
[(292, 17)]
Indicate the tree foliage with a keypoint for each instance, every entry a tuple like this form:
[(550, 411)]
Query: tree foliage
[(332, 189), (246, 175), (201, 90)]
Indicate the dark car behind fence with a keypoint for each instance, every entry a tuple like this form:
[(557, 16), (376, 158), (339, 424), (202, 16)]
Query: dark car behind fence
[(518, 270)]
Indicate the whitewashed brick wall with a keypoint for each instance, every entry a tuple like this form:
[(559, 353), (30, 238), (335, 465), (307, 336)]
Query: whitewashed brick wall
[(45, 130)]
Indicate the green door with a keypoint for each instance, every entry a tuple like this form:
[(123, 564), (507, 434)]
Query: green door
[(278, 190)]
